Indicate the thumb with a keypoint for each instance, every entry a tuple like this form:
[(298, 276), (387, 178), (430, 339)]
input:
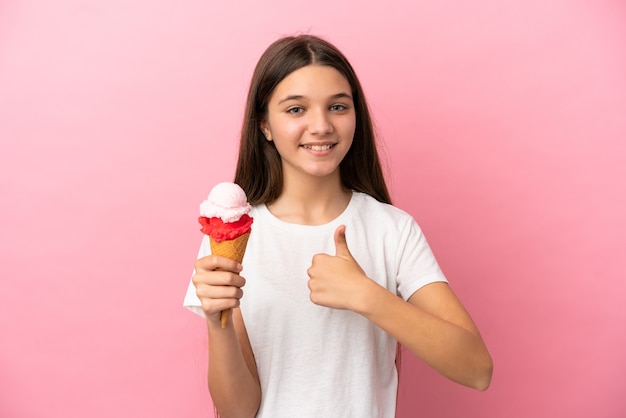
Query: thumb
[(341, 245)]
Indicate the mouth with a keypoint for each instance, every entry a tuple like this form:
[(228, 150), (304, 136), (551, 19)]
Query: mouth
[(324, 147)]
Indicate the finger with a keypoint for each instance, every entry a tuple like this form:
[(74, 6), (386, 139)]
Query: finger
[(215, 306), (217, 278), (341, 245), (219, 292), (216, 262)]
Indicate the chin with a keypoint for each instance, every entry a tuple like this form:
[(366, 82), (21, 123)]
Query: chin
[(323, 171)]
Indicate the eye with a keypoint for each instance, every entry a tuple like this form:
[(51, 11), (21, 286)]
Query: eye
[(338, 107), (295, 110)]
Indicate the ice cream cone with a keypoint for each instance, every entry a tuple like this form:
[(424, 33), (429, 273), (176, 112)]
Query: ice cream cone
[(233, 249), (225, 220)]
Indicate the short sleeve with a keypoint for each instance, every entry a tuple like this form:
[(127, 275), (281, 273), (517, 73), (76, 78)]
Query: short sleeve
[(191, 300), (416, 262)]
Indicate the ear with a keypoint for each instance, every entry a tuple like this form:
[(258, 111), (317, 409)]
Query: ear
[(266, 130)]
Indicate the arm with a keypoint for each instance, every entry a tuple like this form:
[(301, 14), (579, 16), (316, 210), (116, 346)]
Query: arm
[(433, 323), (232, 375)]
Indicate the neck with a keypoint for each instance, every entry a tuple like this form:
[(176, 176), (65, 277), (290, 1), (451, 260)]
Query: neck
[(311, 201)]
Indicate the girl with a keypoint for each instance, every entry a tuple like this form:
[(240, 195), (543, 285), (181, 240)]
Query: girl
[(334, 275)]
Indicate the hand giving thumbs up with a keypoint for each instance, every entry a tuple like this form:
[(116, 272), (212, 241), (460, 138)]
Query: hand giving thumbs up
[(337, 281)]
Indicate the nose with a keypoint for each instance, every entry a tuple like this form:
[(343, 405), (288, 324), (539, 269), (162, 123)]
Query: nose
[(320, 123)]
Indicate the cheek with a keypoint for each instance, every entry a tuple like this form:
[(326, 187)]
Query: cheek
[(288, 129), (348, 130)]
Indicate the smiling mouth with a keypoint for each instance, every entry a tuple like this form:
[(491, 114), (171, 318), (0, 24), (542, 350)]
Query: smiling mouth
[(319, 147)]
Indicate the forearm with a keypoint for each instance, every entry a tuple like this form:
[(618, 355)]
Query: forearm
[(235, 391), (456, 352)]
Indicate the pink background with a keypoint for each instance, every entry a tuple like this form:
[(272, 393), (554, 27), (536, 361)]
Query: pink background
[(504, 130)]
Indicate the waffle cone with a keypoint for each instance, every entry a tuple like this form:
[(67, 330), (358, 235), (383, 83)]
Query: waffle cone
[(233, 249)]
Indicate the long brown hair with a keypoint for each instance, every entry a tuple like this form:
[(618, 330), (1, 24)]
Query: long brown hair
[(259, 168)]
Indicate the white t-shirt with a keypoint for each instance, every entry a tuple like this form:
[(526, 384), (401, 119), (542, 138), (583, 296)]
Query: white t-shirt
[(315, 361)]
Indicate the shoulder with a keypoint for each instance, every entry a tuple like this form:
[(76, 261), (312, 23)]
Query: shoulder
[(369, 207), (388, 222), (257, 209)]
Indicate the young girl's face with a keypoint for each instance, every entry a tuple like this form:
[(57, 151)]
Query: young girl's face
[(311, 119)]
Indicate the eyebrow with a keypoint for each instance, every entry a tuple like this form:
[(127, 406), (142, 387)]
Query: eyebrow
[(300, 97)]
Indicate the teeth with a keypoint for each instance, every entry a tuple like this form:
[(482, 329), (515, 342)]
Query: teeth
[(318, 147)]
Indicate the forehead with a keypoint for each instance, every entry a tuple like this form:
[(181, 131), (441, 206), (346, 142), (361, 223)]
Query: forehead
[(312, 81)]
